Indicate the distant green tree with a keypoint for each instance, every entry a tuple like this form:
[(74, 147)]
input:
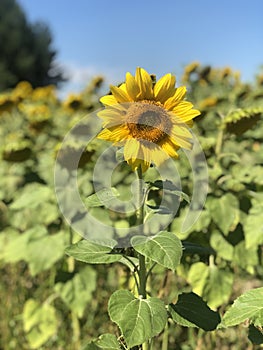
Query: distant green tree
[(25, 49)]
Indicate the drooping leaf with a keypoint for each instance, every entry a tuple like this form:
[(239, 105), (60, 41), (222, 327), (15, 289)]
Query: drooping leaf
[(159, 209), (40, 323), (191, 311), (77, 292), (193, 248), (92, 253), (169, 186), (248, 306), (138, 319), (164, 248)]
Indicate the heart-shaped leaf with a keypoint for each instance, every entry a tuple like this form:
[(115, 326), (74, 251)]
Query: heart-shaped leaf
[(138, 319), (164, 248), (247, 306)]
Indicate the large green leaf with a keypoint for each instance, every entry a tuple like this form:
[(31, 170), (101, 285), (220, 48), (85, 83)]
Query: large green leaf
[(191, 310), (224, 211), (92, 253), (253, 225), (77, 292), (138, 319), (104, 342), (40, 323), (212, 283), (247, 306), (164, 248)]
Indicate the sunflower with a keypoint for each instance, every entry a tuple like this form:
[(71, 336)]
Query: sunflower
[(150, 120)]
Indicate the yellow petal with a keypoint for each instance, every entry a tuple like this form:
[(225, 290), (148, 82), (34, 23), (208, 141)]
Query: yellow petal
[(108, 100), (136, 154), (188, 115), (182, 142), (164, 88), (181, 136), (181, 130), (114, 134), (131, 149), (144, 82), (120, 95), (110, 118), (159, 155), (176, 98), (170, 148), (185, 112), (132, 86)]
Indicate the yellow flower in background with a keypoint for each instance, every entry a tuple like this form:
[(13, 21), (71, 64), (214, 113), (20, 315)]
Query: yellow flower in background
[(45, 93), (151, 120), (73, 103), (22, 91), (192, 67)]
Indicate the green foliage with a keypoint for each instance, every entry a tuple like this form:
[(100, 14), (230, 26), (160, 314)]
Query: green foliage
[(139, 319), (93, 253), (191, 311), (77, 292), (40, 322), (164, 248), (26, 52), (105, 342), (63, 302), (248, 306)]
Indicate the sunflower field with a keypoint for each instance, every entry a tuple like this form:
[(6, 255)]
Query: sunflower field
[(197, 284)]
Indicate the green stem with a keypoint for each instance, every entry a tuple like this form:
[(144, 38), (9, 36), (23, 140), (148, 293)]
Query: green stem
[(219, 142), (70, 259), (145, 346), (220, 137), (142, 271), (142, 276), (165, 338), (140, 198)]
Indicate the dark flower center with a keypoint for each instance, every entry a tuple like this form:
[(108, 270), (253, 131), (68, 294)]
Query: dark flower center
[(148, 120)]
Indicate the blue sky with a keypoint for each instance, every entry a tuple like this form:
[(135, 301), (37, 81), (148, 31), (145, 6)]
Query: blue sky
[(111, 37)]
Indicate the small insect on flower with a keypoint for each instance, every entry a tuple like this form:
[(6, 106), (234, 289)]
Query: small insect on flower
[(150, 119)]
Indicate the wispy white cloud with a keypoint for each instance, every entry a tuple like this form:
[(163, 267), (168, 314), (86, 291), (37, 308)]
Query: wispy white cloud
[(79, 76)]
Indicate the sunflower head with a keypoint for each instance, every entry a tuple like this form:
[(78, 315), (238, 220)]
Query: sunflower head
[(149, 118)]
